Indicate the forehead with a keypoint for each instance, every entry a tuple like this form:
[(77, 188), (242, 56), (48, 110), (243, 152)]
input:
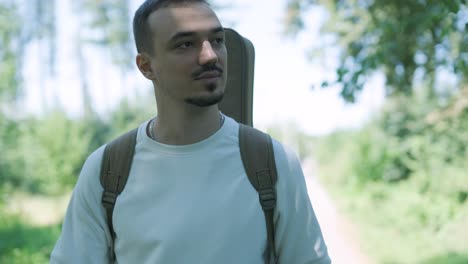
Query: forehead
[(187, 17)]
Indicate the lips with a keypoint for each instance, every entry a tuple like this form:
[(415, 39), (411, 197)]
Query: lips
[(208, 75)]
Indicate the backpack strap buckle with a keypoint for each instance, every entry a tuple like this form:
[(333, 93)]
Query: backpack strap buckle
[(268, 198), (266, 190), (108, 199)]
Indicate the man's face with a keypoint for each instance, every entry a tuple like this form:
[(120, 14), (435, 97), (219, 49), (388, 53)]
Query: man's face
[(189, 61)]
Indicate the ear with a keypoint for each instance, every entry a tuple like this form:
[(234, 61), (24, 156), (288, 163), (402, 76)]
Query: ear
[(143, 62)]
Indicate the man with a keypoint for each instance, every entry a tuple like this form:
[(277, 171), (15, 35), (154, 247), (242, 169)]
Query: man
[(187, 198)]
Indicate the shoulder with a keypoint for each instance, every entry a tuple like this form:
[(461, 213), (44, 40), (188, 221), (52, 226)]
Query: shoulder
[(94, 160), (286, 159), (88, 180), (291, 181)]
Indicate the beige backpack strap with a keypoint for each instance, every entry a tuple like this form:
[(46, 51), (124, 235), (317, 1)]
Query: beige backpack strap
[(115, 168), (258, 158)]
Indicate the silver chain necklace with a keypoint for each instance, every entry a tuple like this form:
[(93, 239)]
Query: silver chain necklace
[(151, 128), (153, 122)]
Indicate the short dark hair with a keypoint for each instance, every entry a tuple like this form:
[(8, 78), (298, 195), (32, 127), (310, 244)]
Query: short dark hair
[(141, 29)]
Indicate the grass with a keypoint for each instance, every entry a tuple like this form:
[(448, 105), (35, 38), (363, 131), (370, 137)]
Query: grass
[(450, 257), (398, 223), (23, 243), (29, 227)]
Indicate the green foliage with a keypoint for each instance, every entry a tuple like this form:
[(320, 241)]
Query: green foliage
[(412, 135), (22, 243), (108, 24), (10, 27), (449, 258), (403, 179), (129, 114), (371, 162), (397, 37), (8, 132), (45, 155), (15, 35)]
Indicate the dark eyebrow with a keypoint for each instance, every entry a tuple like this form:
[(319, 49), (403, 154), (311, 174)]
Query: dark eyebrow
[(183, 34)]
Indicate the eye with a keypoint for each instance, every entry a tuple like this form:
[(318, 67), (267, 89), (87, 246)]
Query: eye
[(218, 41), (185, 45)]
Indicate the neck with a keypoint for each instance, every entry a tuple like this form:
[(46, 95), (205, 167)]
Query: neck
[(186, 126)]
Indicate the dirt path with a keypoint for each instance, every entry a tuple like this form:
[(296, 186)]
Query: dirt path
[(39, 210), (338, 232)]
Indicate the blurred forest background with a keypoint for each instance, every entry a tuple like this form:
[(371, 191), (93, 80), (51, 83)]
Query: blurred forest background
[(402, 177)]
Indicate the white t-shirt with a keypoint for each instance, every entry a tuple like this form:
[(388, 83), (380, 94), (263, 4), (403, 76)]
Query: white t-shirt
[(190, 204)]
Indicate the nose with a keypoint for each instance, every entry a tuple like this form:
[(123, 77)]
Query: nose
[(207, 54)]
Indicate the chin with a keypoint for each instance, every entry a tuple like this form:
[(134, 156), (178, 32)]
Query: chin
[(205, 100)]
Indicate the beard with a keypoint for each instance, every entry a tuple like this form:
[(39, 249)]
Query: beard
[(206, 100)]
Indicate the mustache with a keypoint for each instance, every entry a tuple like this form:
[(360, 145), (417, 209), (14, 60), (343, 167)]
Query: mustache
[(207, 68)]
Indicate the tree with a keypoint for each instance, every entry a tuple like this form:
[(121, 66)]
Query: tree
[(398, 37), (16, 33), (10, 51), (44, 153), (107, 24)]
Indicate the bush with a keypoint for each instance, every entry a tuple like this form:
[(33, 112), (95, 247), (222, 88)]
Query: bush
[(403, 178), (22, 243), (46, 154)]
